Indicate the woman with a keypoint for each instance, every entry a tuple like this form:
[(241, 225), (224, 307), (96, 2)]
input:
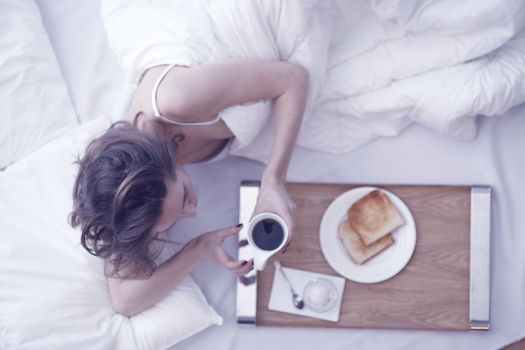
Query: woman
[(131, 184)]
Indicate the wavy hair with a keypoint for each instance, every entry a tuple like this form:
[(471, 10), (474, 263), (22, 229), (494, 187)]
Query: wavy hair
[(118, 196)]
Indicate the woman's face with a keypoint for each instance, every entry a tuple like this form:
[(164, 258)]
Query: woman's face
[(180, 201)]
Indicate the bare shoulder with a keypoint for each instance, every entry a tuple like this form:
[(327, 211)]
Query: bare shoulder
[(174, 96)]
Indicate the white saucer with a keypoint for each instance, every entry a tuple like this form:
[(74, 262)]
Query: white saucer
[(281, 298)]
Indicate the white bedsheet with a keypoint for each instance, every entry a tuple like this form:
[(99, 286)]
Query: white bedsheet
[(417, 156)]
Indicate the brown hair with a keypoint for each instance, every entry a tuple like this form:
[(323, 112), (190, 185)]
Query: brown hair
[(118, 196)]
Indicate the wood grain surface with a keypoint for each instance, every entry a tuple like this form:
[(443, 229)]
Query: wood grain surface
[(431, 292)]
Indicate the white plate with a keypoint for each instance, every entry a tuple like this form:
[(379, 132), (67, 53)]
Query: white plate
[(384, 265)]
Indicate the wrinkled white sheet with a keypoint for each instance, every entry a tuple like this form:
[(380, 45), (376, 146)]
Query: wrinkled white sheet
[(374, 69), (418, 156)]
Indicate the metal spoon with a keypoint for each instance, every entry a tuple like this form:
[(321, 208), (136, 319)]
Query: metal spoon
[(297, 300)]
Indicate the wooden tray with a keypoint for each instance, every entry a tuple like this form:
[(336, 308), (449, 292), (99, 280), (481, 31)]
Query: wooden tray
[(434, 290)]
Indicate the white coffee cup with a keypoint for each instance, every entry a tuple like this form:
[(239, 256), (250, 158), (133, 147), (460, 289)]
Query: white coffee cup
[(264, 249)]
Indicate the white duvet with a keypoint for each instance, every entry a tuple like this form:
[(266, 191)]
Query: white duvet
[(375, 66)]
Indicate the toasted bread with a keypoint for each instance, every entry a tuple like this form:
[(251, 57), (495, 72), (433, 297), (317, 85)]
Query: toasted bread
[(374, 216), (355, 246)]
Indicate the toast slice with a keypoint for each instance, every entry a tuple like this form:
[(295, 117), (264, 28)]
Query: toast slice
[(374, 216), (355, 246)]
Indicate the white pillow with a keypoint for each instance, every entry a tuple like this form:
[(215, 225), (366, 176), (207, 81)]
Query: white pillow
[(53, 294), (35, 106)]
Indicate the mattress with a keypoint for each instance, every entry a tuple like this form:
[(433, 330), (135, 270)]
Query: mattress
[(418, 156)]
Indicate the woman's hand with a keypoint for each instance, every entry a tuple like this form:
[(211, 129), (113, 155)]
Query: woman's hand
[(209, 246), (274, 198), (133, 295)]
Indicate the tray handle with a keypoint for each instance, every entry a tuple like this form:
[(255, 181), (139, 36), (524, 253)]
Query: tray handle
[(480, 225), (247, 285)]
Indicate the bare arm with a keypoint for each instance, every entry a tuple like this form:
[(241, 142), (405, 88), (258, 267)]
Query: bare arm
[(205, 90), (131, 296)]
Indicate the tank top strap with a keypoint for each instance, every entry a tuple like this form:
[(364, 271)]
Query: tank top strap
[(155, 106)]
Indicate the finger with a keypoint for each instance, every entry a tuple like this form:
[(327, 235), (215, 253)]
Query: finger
[(223, 257), (245, 265), (289, 238), (245, 268), (285, 248), (236, 265), (229, 231), (228, 262)]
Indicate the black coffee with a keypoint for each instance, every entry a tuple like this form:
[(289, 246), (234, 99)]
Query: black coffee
[(268, 234)]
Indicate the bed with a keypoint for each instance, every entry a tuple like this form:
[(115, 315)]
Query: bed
[(97, 87)]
